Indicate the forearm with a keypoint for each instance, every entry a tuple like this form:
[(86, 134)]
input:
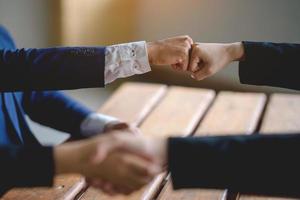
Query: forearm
[(56, 110), (26, 166), (271, 64), (51, 68), (251, 164)]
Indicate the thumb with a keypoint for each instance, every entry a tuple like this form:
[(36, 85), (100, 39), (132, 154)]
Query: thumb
[(139, 146), (102, 149), (201, 74)]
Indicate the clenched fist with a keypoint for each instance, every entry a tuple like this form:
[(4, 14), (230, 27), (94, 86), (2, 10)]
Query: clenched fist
[(208, 58), (172, 51)]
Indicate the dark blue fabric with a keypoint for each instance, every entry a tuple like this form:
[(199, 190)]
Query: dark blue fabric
[(34, 69), (256, 164), (271, 64), (24, 75)]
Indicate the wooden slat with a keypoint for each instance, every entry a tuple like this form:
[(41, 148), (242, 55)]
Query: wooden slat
[(131, 103), (282, 116), (177, 114), (190, 194), (249, 197), (63, 188), (231, 113)]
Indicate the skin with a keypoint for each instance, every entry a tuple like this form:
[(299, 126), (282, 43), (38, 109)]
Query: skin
[(209, 58), (172, 51), (120, 163), (112, 162)]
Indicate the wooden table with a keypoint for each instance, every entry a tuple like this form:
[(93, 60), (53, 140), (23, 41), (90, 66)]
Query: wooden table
[(180, 111)]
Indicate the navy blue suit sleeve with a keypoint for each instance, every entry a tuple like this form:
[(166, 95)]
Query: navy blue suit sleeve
[(51, 68), (271, 64), (25, 167), (56, 110), (261, 164)]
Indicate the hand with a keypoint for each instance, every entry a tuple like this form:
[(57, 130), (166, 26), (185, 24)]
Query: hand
[(208, 58), (110, 158), (119, 125), (172, 51), (156, 147)]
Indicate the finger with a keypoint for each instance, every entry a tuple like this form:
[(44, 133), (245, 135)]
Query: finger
[(194, 59), (135, 130), (136, 182), (96, 183), (201, 74), (103, 148), (109, 188), (123, 190), (143, 171), (187, 38), (177, 67), (121, 125), (183, 66)]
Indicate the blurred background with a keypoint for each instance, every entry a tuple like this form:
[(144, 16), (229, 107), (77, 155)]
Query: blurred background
[(46, 23)]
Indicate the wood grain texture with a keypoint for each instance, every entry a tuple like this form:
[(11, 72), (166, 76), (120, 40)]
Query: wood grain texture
[(249, 197), (64, 188), (131, 103), (177, 114), (282, 116), (190, 194), (231, 113)]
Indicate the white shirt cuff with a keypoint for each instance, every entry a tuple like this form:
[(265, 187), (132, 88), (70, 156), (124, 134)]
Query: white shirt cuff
[(95, 123), (124, 60)]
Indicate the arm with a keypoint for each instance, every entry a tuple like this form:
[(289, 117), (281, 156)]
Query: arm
[(56, 110), (251, 164), (271, 64), (81, 67), (25, 167), (52, 68), (102, 158)]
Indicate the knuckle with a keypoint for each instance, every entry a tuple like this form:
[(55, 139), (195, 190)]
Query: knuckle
[(186, 37), (209, 71)]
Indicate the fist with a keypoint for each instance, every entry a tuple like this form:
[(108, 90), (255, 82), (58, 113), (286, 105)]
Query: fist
[(208, 58), (172, 51)]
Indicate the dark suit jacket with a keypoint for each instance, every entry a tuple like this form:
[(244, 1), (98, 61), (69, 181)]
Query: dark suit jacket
[(24, 73), (252, 164)]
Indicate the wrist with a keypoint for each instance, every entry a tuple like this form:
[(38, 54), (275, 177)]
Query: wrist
[(236, 51), (65, 158), (150, 50)]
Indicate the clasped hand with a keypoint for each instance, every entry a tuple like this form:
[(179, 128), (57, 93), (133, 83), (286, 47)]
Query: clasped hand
[(120, 161)]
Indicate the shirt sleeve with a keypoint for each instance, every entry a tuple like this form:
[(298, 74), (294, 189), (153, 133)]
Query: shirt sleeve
[(95, 123), (270, 64), (26, 167), (124, 60)]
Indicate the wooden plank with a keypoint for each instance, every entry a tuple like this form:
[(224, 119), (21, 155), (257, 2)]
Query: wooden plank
[(282, 116), (232, 113), (131, 103), (189, 194), (177, 114), (251, 197), (63, 187)]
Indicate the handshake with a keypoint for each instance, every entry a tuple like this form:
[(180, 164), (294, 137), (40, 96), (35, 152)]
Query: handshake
[(117, 162), (122, 162), (200, 60)]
